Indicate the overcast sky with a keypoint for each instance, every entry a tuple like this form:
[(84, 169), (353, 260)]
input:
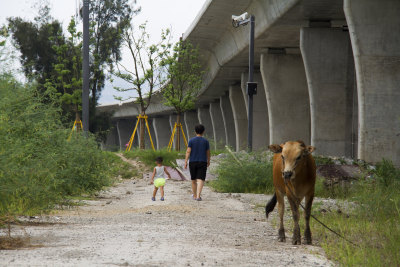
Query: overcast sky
[(160, 14)]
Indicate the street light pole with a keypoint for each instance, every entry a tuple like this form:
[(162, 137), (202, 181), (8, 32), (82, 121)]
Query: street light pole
[(251, 87), (85, 68)]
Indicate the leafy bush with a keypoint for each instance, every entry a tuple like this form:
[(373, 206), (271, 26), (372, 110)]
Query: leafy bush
[(38, 166), (244, 173), (149, 156), (321, 160)]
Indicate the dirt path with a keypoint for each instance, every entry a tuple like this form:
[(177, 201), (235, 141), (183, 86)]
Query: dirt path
[(125, 228)]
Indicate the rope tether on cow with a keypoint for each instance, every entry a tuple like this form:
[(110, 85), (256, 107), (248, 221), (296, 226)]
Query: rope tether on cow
[(315, 218)]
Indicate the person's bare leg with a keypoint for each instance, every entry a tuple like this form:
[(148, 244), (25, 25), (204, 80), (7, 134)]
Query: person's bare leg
[(155, 191), (194, 188), (200, 184), (162, 191)]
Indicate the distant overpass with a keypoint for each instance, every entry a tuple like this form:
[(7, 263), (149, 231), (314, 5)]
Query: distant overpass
[(328, 73)]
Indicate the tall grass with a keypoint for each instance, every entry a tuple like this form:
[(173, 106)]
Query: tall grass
[(149, 156), (374, 224), (244, 173), (38, 166)]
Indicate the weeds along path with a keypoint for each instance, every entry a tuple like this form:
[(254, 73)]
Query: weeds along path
[(123, 227)]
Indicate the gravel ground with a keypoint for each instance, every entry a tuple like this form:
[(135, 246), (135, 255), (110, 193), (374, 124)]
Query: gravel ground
[(123, 227)]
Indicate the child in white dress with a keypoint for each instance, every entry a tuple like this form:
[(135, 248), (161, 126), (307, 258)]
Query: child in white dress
[(159, 174)]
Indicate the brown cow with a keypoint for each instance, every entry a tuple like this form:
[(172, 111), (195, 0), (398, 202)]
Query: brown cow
[(294, 173)]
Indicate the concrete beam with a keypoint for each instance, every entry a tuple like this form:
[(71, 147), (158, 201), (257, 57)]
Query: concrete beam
[(191, 120), (239, 116), (217, 125), (285, 86), (260, 112), (229, 123), (374, 33), (162, 131), (203, 114), (329, 66)]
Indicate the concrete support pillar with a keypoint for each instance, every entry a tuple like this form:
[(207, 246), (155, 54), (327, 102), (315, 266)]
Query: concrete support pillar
[(285, 86), (112, 140), (329, 66), (217, 125), (191, 120), (229, 123), (147, 137), (204, 118), (260, 112), (172, 121), (162, 131), (374, 32), (239, 116), (125, 129)]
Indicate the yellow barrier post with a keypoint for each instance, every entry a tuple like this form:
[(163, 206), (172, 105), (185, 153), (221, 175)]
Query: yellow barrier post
[(128, 148), (140, 117), (73, 128), (148, 130), (171, 140), (184, 137)]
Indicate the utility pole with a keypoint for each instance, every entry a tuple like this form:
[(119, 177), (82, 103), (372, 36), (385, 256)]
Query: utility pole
[(251, 87), (85, 68)]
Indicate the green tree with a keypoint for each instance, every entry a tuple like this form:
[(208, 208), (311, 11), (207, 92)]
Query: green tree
[(183, 72), (68, 70), (109, 20), (35, 41), (145, 76), (3, 50)]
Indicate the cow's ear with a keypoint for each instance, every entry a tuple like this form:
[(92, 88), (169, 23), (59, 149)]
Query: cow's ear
[(275, 148), (309, 150)]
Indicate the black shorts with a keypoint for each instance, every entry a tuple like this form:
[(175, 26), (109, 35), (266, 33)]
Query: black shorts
[(198, 170)]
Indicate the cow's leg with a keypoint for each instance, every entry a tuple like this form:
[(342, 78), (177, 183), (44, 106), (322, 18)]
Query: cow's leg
[(296, 240), (281, 209), (307, 214)]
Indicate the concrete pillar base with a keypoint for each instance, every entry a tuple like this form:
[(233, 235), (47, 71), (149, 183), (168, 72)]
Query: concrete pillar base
[(239, 116), (260, 112), (203, 114), (217, 125), (287, 97), (374, 32), (329, 66), (191, 120), (162, 131), (229, 124)]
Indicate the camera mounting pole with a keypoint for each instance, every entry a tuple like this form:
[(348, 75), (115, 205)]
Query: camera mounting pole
[(251, 87), (85, 68)]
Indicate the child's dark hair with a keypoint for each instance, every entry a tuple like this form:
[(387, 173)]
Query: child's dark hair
[(199, 129), (159, 159)]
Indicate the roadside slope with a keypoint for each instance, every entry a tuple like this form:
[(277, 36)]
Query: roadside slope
[(123, 227)]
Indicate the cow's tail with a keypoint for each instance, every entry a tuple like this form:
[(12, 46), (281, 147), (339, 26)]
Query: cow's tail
[(270, 205)]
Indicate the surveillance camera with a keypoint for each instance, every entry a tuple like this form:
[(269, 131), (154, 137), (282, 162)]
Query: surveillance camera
[(238, 20)]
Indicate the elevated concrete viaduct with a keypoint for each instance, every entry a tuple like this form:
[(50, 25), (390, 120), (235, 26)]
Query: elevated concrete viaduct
[(328, 72)]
